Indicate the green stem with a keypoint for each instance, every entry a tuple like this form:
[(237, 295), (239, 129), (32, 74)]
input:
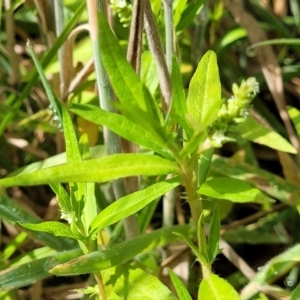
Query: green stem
[(102, 294), (158, 54), (168, 12)]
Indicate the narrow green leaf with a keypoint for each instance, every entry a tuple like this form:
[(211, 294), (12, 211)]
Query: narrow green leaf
[(179, 98), (202, 238), (214, 236), (55, 228), (123, 78), (204, 96), (121, 253), (97, 170), (122, 126), (202, 259), (63, 200), (56, 105), (294, 114), (90, 207), (216, 288), (13, 213), (296, 293), (181, 290), (267, 182), (204, 165), (77, 190), (230, 189), (33, 270), (135, 284), (253, 131), (13, 246), (72, 148), (188, 15), (59, 159), (132, 203)]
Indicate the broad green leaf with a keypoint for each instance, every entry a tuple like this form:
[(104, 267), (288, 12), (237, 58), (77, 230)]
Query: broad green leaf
[(125, 82), (13, 213), (253, 131), (33, 270), (55, 228), (121, 253), (97, 170), (296, 293), (96, 151), (214, 235), (122, 126), (135, 284), (216, 288), (294, 114), (130, 204), (204, 96), (33, 76), (230, 189), (181, 290), (267, 182)]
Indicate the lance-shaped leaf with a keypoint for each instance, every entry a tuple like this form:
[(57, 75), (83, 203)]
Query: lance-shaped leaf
[(121, 253), (122, 126), (230, 189), (97, 170), (253, 131), (204, 96), (132, 203), (215, 288)]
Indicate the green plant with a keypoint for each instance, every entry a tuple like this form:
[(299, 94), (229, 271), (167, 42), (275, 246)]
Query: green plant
[(176, 139)]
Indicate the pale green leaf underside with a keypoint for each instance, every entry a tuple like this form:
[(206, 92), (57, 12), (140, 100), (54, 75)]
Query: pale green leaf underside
[(253, 131), (229, 189), (97, 170), (216, 288), (204, 96)]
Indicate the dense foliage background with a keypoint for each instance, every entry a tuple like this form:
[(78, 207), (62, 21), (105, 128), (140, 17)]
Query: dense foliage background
[(253, 234)]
